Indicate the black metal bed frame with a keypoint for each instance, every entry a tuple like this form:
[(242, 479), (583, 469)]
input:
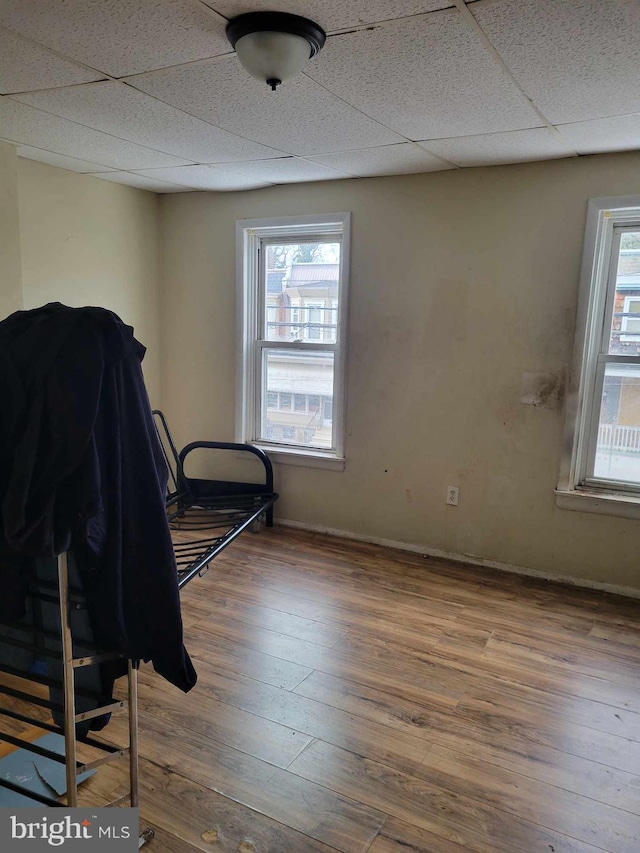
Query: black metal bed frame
[(208, 515)]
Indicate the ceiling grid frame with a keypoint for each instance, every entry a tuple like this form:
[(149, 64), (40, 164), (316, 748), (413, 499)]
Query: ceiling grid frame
[(352, 148)]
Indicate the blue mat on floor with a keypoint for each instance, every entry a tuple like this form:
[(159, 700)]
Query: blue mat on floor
[(35, 773)]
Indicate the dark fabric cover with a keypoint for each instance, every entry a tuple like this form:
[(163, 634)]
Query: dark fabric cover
[(81, 467), (39, 631)]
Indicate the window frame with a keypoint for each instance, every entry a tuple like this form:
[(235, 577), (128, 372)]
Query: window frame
[(250, 234), (577, 488)]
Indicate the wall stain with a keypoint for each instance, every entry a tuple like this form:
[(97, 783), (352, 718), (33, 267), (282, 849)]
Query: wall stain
[(541, 390)]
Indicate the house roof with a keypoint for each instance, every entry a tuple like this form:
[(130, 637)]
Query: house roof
[(629, 263), (628, 269), (313, 274)]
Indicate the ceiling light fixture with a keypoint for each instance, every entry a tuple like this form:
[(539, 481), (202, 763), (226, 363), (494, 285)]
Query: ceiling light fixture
[(274, 46)]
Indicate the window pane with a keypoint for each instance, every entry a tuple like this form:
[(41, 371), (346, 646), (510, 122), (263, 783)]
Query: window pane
[(301, 291), (625, 325), (299, 375), (618, 450), (300, 403), (315, 321)]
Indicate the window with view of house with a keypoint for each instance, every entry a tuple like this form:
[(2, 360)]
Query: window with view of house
[(603, 412), (292, 276)]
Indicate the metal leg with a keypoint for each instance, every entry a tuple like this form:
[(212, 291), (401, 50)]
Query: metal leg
[(70, 706), (68, 680), (132, 677), (132, 674), (145, 836)]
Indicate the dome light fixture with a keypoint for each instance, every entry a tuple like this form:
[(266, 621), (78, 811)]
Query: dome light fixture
[(274, 46)]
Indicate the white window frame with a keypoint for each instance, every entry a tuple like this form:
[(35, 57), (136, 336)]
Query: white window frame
[(250, 309), (577, 488), (273, 319), (295, 318), (318, 306)]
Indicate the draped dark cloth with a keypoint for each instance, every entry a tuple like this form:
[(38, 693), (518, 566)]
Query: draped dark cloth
[(81, 468)]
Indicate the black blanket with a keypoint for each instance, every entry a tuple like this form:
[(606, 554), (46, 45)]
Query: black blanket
[(81, 467)]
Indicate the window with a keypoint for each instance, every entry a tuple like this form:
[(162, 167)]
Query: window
[(603, 405), (271, 317), (295, 323), (315, 322), (631, 319), (292, 279)]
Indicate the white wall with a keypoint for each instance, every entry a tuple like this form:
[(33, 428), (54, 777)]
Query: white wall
[(10, 263), (86, 241), (461, 282)]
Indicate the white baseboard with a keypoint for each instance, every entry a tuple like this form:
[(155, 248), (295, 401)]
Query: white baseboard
[(628, 591)]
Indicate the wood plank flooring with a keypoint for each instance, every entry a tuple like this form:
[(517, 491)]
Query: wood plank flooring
[(353, 698)]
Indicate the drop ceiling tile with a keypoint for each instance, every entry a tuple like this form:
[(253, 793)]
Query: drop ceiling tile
[(129, 114), (427, 77), (620, 133), (333, 14), (70, 163), (121, 36), (300, 118), (22, 124), (205, 178), (402, 159), (140, 182), (25, 66), (288, 170), (577, 60), (492, 149)]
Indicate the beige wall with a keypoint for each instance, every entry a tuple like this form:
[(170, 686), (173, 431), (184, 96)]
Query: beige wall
[(90, 242), (461, 282), (10, 265)]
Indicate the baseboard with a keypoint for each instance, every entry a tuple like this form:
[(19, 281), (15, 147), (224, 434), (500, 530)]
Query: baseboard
[(628, 591)]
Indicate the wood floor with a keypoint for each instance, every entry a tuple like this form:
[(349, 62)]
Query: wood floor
[(352, 698)]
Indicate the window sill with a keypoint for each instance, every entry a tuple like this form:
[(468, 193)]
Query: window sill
[(301, 458), (600, 502)]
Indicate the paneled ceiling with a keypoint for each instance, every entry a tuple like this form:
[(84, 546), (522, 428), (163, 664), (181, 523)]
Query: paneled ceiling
[(149, 93)]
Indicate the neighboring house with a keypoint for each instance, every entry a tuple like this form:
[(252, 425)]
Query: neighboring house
[(302, 305), (312, 292), (621, 401), (620, 412), (625, 335)]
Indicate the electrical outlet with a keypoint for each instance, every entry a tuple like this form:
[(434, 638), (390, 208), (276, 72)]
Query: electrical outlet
[(452, 495)]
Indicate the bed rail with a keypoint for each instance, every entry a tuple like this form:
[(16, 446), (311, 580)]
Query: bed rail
[(206, 515)]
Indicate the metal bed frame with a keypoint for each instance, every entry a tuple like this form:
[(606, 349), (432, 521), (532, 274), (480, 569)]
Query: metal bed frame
[(67, 598), (207, 515)]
